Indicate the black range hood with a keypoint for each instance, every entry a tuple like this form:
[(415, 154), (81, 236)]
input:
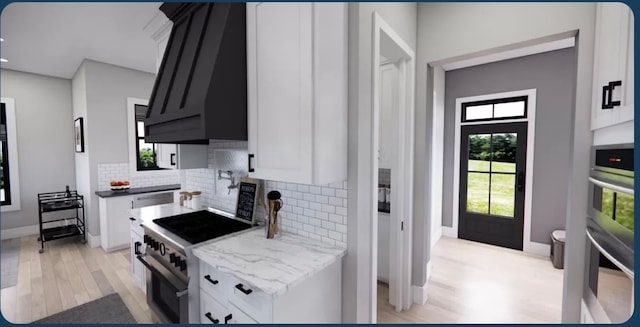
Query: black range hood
[(200, 92)]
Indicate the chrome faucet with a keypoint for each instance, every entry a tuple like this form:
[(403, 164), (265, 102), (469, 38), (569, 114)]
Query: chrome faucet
[(230, 177)]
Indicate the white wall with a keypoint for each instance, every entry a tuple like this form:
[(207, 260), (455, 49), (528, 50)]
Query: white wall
[(44, 122), (448, 30), (358, 295), (106, 88)]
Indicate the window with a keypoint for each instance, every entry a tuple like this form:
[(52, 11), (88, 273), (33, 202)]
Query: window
[(146, 158), (496, 109), (9, 183), (5, 181)]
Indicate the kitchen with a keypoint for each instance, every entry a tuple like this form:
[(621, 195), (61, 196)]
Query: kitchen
[(358, 123)]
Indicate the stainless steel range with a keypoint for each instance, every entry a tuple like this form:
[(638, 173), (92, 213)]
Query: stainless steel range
[(172, 271)]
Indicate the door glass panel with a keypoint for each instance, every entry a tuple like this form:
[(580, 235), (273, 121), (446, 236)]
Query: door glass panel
[(479, 152), (479, 112), (502, 194), (478, 192), (509, 109), (624, 210), (503, 149), (607, 202)]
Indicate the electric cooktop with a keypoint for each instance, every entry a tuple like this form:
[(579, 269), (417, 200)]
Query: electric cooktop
[(200, 226)]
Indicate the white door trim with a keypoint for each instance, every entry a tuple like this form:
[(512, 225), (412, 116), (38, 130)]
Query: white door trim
[(384, 37), (527, 245)]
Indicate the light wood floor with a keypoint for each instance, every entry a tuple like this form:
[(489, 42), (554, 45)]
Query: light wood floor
[(66, 275), (478, 283)]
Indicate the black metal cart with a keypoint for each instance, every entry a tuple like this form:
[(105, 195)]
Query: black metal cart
[(61, 228)]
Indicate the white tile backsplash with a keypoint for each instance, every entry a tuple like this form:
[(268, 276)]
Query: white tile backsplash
[(120, 171), (313, 211)]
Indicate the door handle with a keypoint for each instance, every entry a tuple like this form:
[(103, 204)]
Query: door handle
[(208, 315), (227, 318), (251, 170), (208, 277), (607, 95), (520, 184), (241, 288), (173, 159)]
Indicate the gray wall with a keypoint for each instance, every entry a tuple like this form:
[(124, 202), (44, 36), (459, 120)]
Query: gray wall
[(106, 88), (45, 139), (357, 279), (449, 31), (552, 74)]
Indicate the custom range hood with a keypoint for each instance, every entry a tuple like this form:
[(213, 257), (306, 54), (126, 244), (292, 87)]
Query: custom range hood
[(200, 92)]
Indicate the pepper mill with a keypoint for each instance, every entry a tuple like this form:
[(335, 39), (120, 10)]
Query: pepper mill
[(275, 204)]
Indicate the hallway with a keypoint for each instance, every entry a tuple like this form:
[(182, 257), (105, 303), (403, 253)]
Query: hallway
[(477, 283)]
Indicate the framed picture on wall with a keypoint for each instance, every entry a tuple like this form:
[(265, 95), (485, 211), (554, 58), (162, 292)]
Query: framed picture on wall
[(79, 134)]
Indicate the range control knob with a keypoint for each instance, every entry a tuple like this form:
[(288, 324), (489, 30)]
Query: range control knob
[(156, 245), (145, 238), (172, 257), (183, 265)]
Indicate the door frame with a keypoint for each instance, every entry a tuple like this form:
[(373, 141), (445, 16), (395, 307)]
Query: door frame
[(527, 245), (396, 50)]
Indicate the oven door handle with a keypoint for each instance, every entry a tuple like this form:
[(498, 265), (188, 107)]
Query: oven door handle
[(610, 186), (181, 291), (609, 256)]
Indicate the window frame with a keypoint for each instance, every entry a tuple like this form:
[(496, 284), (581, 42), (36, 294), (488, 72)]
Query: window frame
[(12, 154), (139, 166), (133, 139), (493, 102)]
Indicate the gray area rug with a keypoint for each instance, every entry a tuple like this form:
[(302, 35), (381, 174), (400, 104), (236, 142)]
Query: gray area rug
[(9, 252), (106, 310)]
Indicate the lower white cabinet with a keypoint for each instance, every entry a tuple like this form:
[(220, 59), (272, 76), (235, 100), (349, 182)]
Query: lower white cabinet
[(114, 222), (182, 156), (384, 220), (227, 299), (138, 270)]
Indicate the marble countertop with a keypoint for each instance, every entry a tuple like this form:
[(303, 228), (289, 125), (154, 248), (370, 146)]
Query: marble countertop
[(271, 265), (138, 190)]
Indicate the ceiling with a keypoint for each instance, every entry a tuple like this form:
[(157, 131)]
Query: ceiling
[(53, 38)]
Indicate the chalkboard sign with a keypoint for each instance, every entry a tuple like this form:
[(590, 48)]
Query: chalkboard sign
[(246, 201)]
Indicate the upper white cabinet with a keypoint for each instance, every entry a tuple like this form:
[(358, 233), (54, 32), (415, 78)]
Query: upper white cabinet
[(182, 156), (297, 91), (388, 114), (613, 65)]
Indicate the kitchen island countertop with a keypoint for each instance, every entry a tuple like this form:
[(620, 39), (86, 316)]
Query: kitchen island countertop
[(270, 265)]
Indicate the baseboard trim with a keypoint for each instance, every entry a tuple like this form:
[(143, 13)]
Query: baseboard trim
[(17, 232), (536, 248), (93, 241), (449, 232), (419, 294)]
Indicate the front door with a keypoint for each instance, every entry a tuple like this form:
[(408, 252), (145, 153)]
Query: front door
[(492, 183)]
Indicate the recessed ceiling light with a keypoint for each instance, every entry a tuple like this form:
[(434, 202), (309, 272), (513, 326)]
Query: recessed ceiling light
[(3, 60)]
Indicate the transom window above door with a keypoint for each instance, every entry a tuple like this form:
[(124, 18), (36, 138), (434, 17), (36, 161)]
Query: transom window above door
[(496, 109)]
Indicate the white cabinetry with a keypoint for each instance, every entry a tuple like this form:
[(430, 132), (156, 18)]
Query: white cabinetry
[(114, 222), (388, 114), (226, 299), (384, 219), (137, 248), (613, 79), (297, 91), (182, 156)]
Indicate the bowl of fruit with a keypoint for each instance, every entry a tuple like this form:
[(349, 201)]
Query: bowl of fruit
[(119, 185)]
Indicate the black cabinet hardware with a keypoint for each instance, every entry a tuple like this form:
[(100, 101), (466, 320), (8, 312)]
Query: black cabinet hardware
[(250, 169), (132, 219), (136, 245), (521, 178), (208, 277), (227, 318), (607, 95), (208, 315), (241, 288), (173, 159)]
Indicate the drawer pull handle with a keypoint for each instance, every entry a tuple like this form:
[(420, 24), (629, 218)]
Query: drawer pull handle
[(227, 318), (241, 288), (208, 277), (208, 315), (132, 219)]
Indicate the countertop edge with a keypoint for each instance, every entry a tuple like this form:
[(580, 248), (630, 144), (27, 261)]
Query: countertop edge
[(138, 190)]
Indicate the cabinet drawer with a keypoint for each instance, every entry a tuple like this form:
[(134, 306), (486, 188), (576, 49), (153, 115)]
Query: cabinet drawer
[(255, 304), (212, 311), (214, 282)]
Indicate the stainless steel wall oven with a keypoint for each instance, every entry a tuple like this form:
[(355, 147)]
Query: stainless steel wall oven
[(610, 232)]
